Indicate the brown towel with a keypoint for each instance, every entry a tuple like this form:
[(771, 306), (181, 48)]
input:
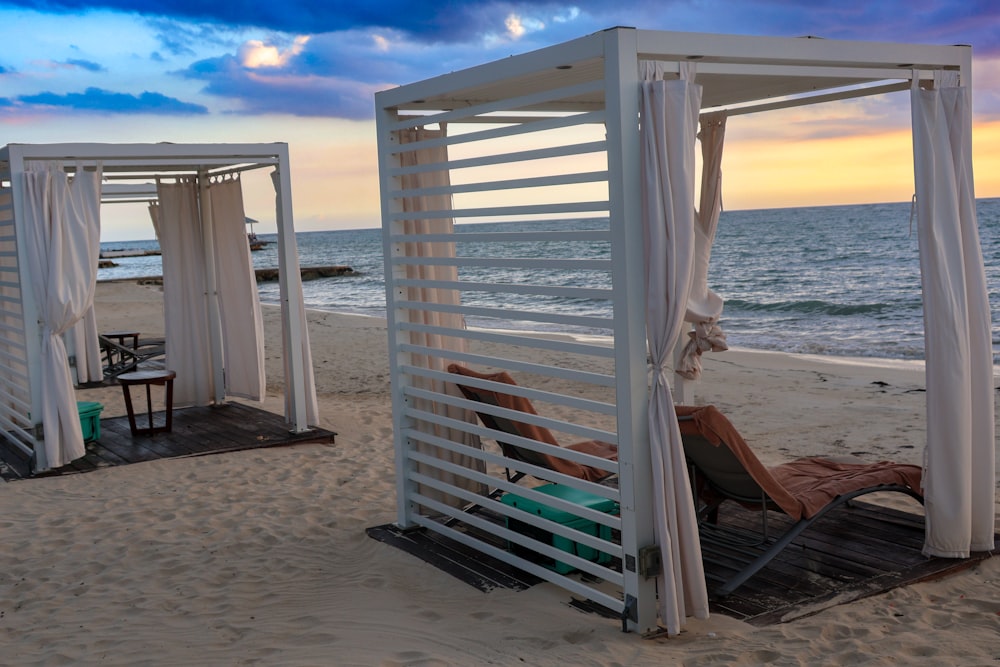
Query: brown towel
[(802, 487), (539, 433)]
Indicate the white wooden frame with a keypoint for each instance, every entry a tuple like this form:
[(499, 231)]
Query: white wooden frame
[(127, 170), (593, 79)]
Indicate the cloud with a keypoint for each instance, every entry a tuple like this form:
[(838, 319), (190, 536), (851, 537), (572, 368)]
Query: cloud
[(262, 86), (458, 21), (440, 21), (328, 75), (180, 38), (96, 99), (86, 64), (256, 54), (325, 59)]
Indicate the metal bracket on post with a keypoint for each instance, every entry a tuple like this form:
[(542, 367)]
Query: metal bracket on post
[(650, 564), (629, 612)]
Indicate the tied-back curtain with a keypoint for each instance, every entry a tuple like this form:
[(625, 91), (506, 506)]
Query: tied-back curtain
[(427, 179), (668, 124), (82, 339), (178, 225), (959, 477), (239, 300), (704, 306), (63, 246)]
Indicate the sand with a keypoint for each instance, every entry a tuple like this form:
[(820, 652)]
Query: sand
[(261, 557)]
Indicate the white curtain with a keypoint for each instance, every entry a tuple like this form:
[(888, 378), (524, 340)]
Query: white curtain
[(309, 379), (704, 307), (177, 220), (239, 300), (668, 125), (427, 179), (62, 216), (959, 473), (82, 340)]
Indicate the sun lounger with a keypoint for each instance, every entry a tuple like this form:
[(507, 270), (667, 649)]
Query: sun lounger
[(725, 468), (118, 358), (499, 422)]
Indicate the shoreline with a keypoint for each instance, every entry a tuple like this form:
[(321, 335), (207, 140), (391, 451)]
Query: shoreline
[(379, 313), (889, 363)]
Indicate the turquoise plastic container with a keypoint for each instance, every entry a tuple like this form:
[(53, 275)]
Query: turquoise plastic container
[(90, 419), (562, 517)]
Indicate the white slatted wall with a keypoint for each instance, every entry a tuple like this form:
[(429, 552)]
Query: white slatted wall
[(15, 388), (538, 176)]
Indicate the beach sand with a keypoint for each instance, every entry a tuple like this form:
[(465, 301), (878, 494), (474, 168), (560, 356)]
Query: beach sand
[(261, 557)]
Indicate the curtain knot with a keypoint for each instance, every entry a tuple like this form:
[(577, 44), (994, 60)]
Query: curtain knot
[(707, 336)]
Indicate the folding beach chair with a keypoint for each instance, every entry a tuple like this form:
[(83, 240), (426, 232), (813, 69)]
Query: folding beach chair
[(723, 467), (530, 431)]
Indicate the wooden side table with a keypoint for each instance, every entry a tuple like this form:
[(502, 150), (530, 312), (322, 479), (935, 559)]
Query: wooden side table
[(147, 379)]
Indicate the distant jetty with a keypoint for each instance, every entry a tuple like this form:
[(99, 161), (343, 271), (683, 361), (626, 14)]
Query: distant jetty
[(128, 252), (266, 275), (308, 273)]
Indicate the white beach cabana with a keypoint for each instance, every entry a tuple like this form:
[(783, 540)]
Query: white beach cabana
[(603, 128), (50, 199)]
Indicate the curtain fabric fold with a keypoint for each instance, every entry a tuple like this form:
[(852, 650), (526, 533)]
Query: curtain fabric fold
[(63, 246), (177, 220), (959, 458), (668, 122), (239, 300), (426, 179), (186, 312), (704, 306)]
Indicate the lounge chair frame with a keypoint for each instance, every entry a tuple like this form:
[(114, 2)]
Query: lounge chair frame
[(714, 475), (120, 359), (497, 422)]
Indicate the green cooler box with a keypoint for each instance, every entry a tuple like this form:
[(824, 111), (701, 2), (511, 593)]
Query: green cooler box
[(90, 419), (572, 495)]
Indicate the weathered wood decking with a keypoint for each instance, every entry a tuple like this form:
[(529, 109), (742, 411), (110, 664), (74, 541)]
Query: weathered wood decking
[(196, 431), (854, 552)]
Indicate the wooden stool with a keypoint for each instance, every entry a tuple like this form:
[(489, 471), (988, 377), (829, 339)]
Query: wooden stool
[(148, 378)]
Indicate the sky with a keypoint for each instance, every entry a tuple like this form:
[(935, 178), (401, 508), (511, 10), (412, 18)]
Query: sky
[(304, 72)]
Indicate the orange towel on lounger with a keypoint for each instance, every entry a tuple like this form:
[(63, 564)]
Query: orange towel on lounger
[(539, 433), (802, 487)]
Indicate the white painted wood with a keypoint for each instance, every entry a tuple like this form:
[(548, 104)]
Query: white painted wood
[(290, 287)]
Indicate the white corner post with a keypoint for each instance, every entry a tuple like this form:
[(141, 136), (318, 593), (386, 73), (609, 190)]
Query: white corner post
[(636, 485), (290, 287), (387, 124)]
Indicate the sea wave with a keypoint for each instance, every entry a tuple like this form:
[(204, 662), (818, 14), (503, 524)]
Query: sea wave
[(811, 307)]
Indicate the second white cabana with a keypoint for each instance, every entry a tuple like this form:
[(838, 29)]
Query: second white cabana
[(591, 144), (50, 198)]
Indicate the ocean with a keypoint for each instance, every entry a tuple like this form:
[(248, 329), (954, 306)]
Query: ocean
[(831, 280)]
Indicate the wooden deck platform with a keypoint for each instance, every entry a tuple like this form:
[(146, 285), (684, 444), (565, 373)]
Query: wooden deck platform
[(196, 432), (855, 552)]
